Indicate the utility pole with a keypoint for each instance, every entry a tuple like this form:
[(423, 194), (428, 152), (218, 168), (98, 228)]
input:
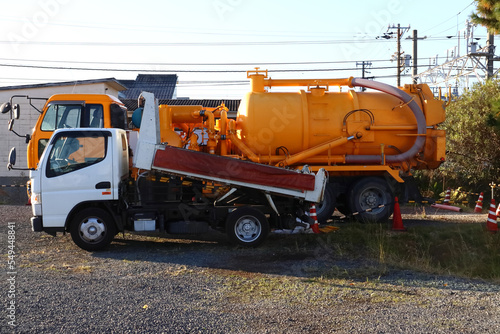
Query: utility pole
[(415, 54), (491, 54), (399, 55), (364, 65), (400, 32), (415, 59)]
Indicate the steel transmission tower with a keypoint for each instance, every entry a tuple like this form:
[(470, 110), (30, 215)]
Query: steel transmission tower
[(460, 71)]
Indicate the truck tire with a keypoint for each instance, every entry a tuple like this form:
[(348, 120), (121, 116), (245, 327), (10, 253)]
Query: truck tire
[(371, 193), (325, 209), (92, 229), (247, 227)]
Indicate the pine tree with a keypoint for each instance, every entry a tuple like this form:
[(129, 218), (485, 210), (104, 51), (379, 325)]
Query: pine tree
[(488, 15)]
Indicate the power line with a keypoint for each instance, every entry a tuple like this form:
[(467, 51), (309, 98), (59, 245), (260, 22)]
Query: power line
[(179, 30), (181, 70), (451, 18), (179, 44), (190, 64), (203, 44)]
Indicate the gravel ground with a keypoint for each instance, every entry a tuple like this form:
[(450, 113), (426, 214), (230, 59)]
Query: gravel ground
[(145, 284)]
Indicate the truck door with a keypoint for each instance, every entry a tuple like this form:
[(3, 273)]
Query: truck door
[(78, 168)]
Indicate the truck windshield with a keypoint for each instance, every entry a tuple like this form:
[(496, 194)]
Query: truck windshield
[(75, 150), (72, 115)]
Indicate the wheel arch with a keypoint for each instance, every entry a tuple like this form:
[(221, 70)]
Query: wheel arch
[(104, 205), (343, 183)]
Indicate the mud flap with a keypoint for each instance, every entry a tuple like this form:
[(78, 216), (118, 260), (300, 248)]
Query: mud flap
[(410, 191)]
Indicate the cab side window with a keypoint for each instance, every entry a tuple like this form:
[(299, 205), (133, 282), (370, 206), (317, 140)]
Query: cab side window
[(96, 117), (76, 150), (118, 116)]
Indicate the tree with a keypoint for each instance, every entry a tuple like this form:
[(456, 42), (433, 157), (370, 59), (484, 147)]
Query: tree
[(473, 138), (488, 15)]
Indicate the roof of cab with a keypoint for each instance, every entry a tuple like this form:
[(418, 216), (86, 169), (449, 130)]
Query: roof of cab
[(88, 98)]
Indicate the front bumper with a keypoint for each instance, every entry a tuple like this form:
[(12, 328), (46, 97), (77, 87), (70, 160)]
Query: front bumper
[(36, 224)]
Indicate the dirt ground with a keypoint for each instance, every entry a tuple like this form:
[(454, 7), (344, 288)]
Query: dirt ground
[(145, 284)]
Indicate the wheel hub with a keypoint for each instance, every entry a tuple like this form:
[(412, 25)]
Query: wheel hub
[(371, 199), (247, 229), (92, 230)]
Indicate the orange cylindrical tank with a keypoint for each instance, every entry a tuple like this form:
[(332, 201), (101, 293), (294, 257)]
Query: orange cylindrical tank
[(293, 122)]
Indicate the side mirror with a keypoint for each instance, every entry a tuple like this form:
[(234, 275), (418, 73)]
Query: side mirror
[(5, 108), (16, 111), (12, 158), (11, 124)]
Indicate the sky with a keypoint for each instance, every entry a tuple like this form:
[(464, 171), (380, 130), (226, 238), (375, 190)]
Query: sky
[(210, 44)]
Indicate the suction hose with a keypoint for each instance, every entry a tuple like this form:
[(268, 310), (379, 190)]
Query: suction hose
[(417, 112)]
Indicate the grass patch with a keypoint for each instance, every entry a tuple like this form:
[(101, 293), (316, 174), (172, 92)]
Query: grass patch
[(318, 292), (459, 249)]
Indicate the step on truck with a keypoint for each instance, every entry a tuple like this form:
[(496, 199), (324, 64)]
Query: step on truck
[(83, 186)]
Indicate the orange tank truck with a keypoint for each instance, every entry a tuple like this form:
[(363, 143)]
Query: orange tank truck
[(368, 141)]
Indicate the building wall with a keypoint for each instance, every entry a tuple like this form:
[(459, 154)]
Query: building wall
[(29, 116)]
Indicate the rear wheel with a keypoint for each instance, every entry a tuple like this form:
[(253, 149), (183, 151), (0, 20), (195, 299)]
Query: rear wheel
[(325, 209), (372, 198), (247, 226), (92, 229)]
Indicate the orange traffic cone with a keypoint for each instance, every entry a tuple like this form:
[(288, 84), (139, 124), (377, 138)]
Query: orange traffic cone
[(479, 204), (491, 224), (497, 213), (447, 197), (312, 214), (397, 221)]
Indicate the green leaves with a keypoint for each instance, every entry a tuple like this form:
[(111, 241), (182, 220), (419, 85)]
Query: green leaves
[(473, 137), (488, 15)]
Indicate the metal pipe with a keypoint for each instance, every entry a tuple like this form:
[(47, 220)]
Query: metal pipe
[(223, 130), (392, 127), (307, 82), (231, 133), (212, 143), (301, 156), (417, 112)]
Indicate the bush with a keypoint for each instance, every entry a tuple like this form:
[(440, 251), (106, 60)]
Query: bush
[(473, 137)]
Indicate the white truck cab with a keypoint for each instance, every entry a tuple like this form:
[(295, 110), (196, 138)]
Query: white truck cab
[(93, 161)]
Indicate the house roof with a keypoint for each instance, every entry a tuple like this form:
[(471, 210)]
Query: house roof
[(232, 105), (161, 85), (110, 81)]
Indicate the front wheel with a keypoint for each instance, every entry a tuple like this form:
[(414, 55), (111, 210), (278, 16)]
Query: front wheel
[(92, 229), (372, 198), (247, 226)]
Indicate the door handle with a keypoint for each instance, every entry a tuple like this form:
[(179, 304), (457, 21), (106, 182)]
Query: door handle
[(103, 185)]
